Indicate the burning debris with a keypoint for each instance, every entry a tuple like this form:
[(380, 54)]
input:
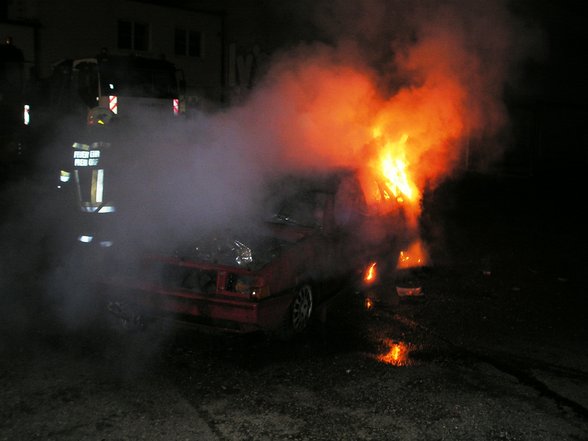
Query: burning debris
[(397, 353)]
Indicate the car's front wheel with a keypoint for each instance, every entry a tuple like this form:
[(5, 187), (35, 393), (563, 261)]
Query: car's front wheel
[(302, 308), (299, 315)]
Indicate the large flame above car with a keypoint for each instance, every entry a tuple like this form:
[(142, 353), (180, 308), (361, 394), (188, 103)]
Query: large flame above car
[(407, 123), (329, 114), (391, 165)]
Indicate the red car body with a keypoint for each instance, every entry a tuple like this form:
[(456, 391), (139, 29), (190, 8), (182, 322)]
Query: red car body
[(310, 252)]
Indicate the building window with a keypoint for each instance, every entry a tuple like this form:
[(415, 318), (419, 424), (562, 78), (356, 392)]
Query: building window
[(187, 43), (133, 35)]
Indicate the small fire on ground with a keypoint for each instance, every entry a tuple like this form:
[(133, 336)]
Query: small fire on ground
[(397, 353)]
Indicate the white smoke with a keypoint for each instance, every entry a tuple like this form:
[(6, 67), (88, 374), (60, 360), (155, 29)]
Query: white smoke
[(210, 171)]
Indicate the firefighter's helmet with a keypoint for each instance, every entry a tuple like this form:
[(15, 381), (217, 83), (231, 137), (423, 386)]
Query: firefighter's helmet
[(99, 116)]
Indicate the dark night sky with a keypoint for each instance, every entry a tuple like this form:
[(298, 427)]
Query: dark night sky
[(565, 69)]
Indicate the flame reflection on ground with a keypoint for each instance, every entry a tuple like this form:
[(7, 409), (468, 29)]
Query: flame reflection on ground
[(397, 353)]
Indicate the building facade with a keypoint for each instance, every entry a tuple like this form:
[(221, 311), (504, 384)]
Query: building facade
[(194, 40)]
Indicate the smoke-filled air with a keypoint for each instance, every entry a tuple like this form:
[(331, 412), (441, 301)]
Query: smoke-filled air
[(411, 91)]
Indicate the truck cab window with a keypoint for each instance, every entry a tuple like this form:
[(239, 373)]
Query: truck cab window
[(87, 83)]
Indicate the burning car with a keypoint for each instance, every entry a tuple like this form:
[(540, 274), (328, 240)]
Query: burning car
[(319, 240)]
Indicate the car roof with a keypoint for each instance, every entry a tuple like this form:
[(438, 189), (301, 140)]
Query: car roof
[(327, 181)]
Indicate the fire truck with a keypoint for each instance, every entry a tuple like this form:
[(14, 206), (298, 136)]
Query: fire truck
[(124, 84), (107, 96)]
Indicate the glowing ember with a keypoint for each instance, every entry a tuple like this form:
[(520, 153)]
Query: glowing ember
[(397, 354)]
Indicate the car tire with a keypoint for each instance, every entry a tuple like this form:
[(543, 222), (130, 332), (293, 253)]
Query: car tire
[(299, 315)]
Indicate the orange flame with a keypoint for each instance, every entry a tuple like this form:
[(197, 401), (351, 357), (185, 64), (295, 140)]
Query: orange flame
[(327, 113), (370, 273), (392, 165), (414, 256)]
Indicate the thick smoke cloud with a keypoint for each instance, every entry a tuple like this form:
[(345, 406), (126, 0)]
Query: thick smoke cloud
[(430, 74)]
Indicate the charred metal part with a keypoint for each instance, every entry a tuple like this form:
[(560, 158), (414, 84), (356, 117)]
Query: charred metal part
[(127, 318)]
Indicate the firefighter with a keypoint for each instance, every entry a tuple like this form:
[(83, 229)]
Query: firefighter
[(88, 176)]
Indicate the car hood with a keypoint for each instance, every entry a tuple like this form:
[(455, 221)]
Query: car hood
[(246, 249)]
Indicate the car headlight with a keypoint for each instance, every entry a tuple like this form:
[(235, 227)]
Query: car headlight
[(243, 254)]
